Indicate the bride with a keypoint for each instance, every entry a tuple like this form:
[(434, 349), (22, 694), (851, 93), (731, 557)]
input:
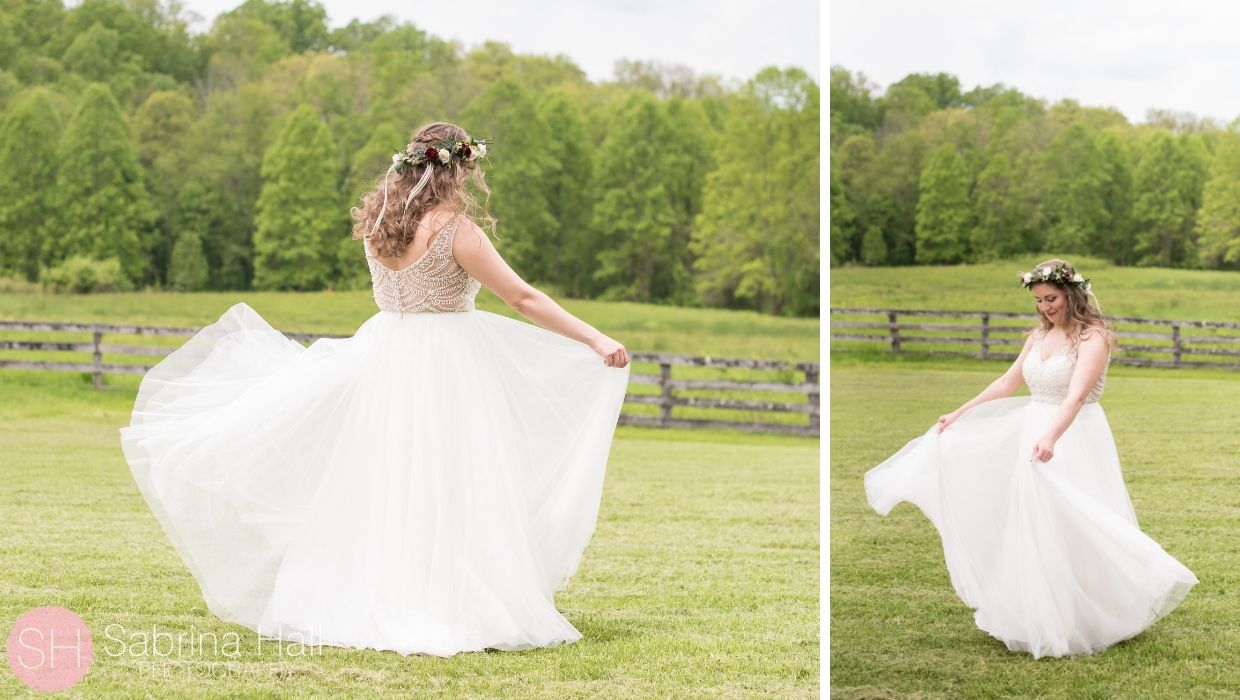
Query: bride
[(1038, 531), (423, 486)]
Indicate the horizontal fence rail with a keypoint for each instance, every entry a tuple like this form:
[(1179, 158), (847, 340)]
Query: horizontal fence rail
[(1175, 340), (669, 392)]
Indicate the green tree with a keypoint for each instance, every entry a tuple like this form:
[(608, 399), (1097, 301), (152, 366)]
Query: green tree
[(187, 270), (1166, 198), (300, 213), (1116, 239), (238, 49), (689, 155), (843, 220), (1075, 178), (889, 192), (873, 247), (998, 217), (519, 172), (854, 110), (568, 198), (902, 106), (101, 204), (95, 54), (794, 250), (1218, 223), (851, 177), (163, 119), (200, 206), (944, 213), (28, 167), (943, 89), (302, 24), (217, 169), (633, 214), (757, 238), (154, 39)]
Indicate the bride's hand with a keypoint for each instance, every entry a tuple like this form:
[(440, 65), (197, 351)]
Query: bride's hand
[(614, 354), (947, 419), (1044, 450)]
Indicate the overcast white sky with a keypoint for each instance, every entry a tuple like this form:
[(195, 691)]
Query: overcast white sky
[(1133, 55), (730, 38)]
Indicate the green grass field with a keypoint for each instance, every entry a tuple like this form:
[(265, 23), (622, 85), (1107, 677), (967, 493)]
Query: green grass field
[(702, 579), (993, 286), (641, 327), (897, 628)]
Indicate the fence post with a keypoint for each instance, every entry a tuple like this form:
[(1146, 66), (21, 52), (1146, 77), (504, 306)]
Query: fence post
[(98, 360), (1177, 346), (985, 336), (665, 405), (811, 377), (895, 332)]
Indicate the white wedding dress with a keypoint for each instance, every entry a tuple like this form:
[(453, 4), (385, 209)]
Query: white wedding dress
[(1049, 554), (423, 486)]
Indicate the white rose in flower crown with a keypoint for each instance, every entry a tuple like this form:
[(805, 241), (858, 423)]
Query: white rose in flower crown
[(1078, 278), (444, 155), (1028, 278), (396, 157), (481, 150), (1046, 271)]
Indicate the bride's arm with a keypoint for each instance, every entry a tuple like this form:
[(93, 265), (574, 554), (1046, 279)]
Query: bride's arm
[(1005, 385), (478, 256)]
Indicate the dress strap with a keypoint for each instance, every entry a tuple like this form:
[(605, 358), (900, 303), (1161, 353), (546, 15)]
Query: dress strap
[(449, 231)]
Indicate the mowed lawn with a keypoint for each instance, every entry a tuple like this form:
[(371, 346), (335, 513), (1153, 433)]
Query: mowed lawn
[(897, 627), (702, 579), (1145, 292)]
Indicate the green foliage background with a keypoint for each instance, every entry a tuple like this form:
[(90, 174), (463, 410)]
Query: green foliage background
[(927, 173), (125, 133)]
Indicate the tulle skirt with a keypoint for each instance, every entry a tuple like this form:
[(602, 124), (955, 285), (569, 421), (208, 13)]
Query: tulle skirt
[(1049, 554), (423, 486)]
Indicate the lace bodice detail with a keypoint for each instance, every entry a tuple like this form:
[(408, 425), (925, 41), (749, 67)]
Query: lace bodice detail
[(435, 282), (1048, 381)]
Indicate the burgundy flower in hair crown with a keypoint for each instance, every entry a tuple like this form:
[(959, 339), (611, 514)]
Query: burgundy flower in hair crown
[(441, 153), (1058, 275)]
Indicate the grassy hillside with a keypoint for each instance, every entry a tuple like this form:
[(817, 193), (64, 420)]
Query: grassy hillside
[(641, 327), (993, 286)]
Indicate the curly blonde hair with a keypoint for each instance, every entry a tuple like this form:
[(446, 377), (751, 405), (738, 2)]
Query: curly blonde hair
[(446, 189), (1080, 315)]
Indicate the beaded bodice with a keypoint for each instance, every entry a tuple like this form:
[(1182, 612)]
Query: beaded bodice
[(435, 282), (1048, 379)]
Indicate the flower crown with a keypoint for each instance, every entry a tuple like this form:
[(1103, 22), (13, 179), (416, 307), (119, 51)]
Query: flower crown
[(442, 153), (1058, 275)]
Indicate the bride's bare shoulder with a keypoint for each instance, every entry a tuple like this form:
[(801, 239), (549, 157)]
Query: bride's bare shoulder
[(437, 217)]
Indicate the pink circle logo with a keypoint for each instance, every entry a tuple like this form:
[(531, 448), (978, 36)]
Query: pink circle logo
[(50, 648)]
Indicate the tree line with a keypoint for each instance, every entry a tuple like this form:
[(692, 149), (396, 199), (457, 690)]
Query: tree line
[(928, 173), (136, 151)]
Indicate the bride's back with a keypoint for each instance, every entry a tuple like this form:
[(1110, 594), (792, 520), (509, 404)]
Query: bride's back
[(426, 230), (428, 278)]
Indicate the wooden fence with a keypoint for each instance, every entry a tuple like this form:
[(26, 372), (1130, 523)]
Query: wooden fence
[(669, 394), (1177, 340)]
